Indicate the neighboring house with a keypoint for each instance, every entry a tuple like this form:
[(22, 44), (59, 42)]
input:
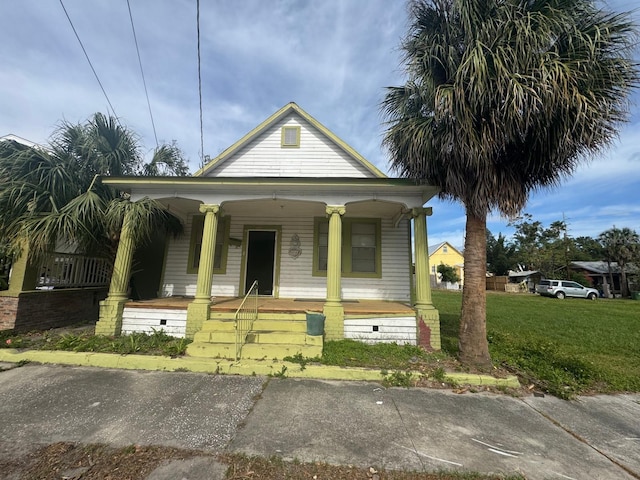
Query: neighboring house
[(446, 254), (295, 208), (20, 140), (603, 276), (523, 280), (61, 288)]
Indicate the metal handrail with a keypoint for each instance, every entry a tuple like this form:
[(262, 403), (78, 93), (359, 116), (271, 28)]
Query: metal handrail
[(245, 315)]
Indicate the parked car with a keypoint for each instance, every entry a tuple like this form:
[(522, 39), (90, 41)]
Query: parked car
[(564, 288)]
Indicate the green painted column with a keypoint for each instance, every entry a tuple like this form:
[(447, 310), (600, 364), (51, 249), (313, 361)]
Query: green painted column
[(110, 321), (24, 273), (198, 311), (333, 309), (428, 318)]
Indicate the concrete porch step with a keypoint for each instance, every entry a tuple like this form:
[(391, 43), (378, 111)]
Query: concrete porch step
[(256, 351), (220, 336), (269, 351), (212, 350), (274, 335), (279, 324)]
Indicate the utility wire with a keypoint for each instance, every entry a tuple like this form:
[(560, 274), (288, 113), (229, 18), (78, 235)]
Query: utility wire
[(199, 85), (89, 60), (144, 82)]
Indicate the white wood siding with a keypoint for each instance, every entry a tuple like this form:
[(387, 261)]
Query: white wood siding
[(401, 330), (146, 320), (317, 156), (296, 280)]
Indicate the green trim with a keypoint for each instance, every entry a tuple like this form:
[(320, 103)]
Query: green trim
[(283, 135), (197, 225), (124, 181), (287, 109), (315, 271), (278, 247), (347, 271)]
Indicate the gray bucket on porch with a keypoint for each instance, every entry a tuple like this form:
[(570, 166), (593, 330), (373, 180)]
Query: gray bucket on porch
[(315, 323)]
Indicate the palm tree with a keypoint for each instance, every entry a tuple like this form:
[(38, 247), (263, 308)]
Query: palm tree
[(48, 194), (504, 97), (620, 245)]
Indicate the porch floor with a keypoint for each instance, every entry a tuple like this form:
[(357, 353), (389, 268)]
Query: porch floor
[(281, 305)]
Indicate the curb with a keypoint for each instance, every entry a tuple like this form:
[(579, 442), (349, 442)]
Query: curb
[(228, 367)]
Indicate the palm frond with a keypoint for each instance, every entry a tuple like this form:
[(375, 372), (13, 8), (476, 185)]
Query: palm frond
[(506, 97), (146, 216)]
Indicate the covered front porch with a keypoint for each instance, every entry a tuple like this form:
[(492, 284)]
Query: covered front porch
[(341, 248)]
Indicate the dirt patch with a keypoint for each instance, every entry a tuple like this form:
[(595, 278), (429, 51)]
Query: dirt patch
[(70, 461), (91, 462)]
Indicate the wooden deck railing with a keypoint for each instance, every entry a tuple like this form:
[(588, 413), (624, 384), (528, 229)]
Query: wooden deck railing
[(245, 315), (73, 271)]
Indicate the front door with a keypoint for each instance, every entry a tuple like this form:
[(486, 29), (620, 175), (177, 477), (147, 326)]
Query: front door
[(261, 249)]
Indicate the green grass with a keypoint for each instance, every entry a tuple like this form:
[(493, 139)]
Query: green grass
[(350, 353), (157, 343), (566, 347)]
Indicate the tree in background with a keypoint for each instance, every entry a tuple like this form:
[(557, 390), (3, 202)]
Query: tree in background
[(500, 255), (588, 249), (504, 97), (621, 245), (448, 273), (48, 194)]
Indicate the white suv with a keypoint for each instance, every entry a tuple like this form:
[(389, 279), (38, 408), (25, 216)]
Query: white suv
[(564, 288)]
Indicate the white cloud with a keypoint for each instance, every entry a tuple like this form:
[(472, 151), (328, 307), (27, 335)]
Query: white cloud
[(332, 57)]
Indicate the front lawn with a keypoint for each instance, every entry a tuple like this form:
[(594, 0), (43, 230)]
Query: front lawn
[(566, 346), (563, 347)]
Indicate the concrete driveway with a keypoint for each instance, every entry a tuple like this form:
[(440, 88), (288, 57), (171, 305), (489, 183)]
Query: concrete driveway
[(337, 422)]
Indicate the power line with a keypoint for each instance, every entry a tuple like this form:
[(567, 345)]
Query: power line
[(135, 38), (199, 85), (89, 60)]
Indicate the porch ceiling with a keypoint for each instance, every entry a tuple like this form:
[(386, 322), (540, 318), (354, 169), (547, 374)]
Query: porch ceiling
[(287, 208), (293, 208)]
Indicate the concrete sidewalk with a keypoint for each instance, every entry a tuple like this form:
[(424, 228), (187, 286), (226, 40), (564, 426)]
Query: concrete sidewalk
[(356, 423)]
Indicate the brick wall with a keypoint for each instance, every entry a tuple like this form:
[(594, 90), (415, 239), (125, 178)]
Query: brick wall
[(40, 310), (8, 310)]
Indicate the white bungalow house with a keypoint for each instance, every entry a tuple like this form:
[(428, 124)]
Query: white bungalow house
[(319, 228)]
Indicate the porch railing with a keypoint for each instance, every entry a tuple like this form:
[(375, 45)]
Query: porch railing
[(71, 270), (245, 316)]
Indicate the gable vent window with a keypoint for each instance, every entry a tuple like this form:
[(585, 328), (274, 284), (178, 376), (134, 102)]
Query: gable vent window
[(290, 137)]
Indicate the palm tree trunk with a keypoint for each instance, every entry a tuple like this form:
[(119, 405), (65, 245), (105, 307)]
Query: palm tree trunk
[(624, 286), (473, 345)]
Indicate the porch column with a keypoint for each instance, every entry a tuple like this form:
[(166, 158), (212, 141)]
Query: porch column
[(333, 310), (110, 320), (427, 316), (198, 311), (24, 272)]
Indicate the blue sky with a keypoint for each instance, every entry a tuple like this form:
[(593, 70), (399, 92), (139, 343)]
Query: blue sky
[(332, 57)]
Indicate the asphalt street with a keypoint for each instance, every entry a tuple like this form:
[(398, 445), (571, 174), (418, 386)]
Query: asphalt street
[(356, 423)]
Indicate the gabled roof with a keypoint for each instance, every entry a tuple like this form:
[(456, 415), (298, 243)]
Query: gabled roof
[(286, 110), (523, 273), (603, 268), (433, 249), (20, 140)]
